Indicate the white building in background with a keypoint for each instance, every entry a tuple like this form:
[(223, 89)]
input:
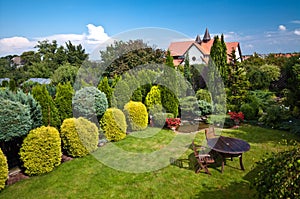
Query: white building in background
[(199, 50)]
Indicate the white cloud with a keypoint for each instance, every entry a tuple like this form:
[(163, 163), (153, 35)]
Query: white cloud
[(297, 32), (281, 28), (295, 21), (96, 34), (17, 45)]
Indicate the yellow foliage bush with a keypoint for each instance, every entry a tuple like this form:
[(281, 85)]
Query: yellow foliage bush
[(41, 150), (136, 115), (3, 170), (113, 123), (79, 136)]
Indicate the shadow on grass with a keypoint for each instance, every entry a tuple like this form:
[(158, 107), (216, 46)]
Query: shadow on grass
[(190, 163), (233, 190)]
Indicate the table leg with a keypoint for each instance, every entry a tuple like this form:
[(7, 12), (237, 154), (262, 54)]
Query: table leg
[(241, 162), (223, 163)]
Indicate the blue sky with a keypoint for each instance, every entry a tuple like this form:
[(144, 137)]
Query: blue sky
[(260, 26)]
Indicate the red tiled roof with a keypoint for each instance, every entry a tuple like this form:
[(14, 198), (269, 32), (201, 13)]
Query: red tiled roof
[(207, 46), (179, 48), (177, 62), (231, 46)]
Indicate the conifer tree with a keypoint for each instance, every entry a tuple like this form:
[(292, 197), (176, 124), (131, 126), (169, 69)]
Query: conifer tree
[(105, 88), (187, 70), (49, 111), (169, 59), (238, 84), (63, 100)]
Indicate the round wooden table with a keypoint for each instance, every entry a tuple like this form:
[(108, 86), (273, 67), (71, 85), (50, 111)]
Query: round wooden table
[(229, 147)]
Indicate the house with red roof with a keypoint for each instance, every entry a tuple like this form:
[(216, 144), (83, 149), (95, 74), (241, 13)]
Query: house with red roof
[(199, 50)]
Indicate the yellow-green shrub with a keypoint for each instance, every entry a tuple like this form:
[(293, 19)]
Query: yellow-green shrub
[(3, 170), (113, 123), (136, 115), (79, 136), (41, 150)]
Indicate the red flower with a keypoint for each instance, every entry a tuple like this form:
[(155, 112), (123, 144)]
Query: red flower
[(173, 122), (237, 117)]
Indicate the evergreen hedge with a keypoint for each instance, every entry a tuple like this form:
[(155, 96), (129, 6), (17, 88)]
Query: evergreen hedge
[(3, 170), (136, 115), (113, 123), (79, 136), (41, 150)]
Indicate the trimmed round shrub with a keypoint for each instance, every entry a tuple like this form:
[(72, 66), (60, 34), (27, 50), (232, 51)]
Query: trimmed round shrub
[(248, 111), (3, 170), (136, 115), (15, 120), (79, 136), (41, 150), (89, 102), (159, 119), (113, 123), (279, 175)]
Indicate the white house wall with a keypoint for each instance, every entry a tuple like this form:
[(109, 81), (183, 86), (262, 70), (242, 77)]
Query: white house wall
[(193, 51)]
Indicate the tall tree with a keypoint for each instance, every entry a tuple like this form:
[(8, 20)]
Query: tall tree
[(169, 59), (123, 56), (187, 69), (238, 84)]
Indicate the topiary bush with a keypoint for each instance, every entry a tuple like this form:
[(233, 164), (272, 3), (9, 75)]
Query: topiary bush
[(15, 120), (113, 123), (248, 111), (41, 150), (79, 136), (89, 102), (279, 175), (203, 94), (136, 115), (3, 170)]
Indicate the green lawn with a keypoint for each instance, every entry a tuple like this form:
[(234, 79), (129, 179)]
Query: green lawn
[(88, 178)]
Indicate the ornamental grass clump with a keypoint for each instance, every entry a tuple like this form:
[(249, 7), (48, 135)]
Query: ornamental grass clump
[(79, 136), (41, 150), (136, 115)]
